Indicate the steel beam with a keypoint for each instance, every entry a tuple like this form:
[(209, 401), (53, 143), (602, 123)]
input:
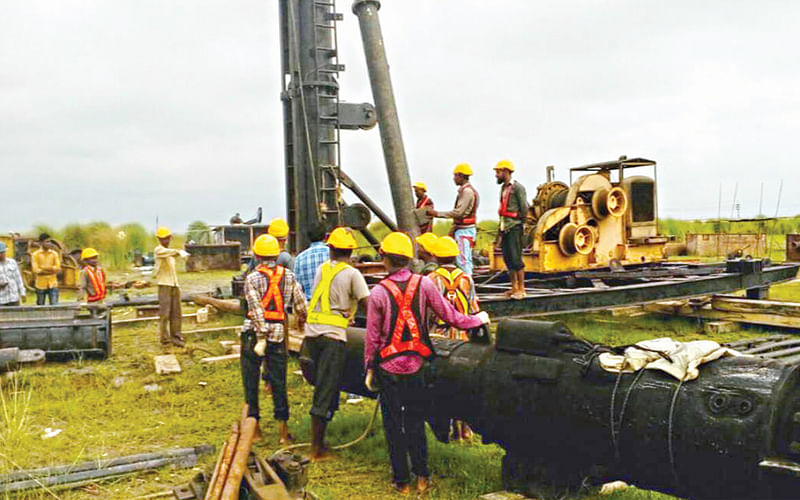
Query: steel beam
[(546, 302)]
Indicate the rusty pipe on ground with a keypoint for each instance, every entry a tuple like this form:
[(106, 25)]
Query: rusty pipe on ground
[(223, 465), (239, 464)]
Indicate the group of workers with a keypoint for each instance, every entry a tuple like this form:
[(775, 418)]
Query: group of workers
[(434, 294), (401, 313), (512, 213), (45, 266)]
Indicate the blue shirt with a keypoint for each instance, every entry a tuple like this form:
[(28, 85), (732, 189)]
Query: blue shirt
[(306, 264)]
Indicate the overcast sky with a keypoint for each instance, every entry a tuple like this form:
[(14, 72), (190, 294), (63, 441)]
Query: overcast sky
[(128, 110)]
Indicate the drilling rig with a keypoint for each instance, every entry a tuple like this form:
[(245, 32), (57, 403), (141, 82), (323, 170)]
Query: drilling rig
[(314, 116)]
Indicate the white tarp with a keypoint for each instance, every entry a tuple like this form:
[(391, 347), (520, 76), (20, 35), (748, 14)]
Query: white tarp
[(684, 360)]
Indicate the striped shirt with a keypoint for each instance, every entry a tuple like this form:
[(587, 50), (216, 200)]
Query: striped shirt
[(9, 274), (255, 287), (306, 264)]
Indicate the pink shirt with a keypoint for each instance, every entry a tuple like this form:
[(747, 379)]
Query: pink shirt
[(379, 317)]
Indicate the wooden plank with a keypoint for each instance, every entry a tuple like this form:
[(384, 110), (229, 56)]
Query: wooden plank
[(166, 364), (741, 305), (760, 319), (220, 359)]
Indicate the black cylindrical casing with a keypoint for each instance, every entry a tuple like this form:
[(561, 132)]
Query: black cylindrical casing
[(534, 394)]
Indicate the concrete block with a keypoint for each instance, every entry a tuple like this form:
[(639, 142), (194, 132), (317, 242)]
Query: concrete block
[(714, 327)]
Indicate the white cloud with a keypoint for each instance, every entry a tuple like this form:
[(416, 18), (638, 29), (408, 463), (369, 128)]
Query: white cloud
[(130, 109)]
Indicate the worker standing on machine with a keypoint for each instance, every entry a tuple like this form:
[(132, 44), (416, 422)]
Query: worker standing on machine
[(424, 205), (169, 293), (92, 282), (269, 290), (338, 289), (463, 216), (397, 347), (512, 212)]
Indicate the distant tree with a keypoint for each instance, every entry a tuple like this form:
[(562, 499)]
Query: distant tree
[(43, 228), (199, 232), (75, 236)]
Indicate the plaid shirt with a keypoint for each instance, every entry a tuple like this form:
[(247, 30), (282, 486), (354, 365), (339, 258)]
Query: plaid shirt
[(9, 274), (255, 286), (306, 264)]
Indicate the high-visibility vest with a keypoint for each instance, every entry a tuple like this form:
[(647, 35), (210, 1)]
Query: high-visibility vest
[(322, 297), (453, 291), (504, 197), (98, 279), (407, 336), (469, 218), (272, 301)]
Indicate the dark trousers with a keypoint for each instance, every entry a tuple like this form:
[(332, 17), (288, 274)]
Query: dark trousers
[(43, 295), (276, 361), (169, 313), (403, 413), (511, 245), (329, 356)]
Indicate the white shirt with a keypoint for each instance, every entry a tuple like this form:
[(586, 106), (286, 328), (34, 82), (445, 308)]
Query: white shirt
[(9, 273)]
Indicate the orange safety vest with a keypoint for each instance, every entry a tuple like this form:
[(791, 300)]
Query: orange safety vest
[(407, 336), (272, 301), (98, 280), (504, 197), (470, 217)]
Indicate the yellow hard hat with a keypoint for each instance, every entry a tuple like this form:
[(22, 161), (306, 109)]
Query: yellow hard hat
[(163, 232), (88, 253), (445, 247), (420, 185), (342, 238), (278, 228), (397, 244), (426, 241), (266, 246), (463, 169), (505, 164)]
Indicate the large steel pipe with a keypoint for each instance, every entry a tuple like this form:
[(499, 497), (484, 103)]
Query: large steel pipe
[(540, 393), (392, 140)]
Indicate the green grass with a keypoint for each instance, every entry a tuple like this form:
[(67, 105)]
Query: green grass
[(105, 412)]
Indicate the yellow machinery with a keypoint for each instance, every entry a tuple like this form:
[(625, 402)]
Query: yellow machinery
[(21, 249), (603, 219)]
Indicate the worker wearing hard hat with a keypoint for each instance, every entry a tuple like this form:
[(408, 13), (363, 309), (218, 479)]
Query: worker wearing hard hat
[(458, 288), (279, 228), (397, 350), (513, 211), (12, 288), (92, 281), (270, 290), (425, 261), (454, 284), (169, 293), (463, 215), (424, 205), (46, 264), (338, 289)]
